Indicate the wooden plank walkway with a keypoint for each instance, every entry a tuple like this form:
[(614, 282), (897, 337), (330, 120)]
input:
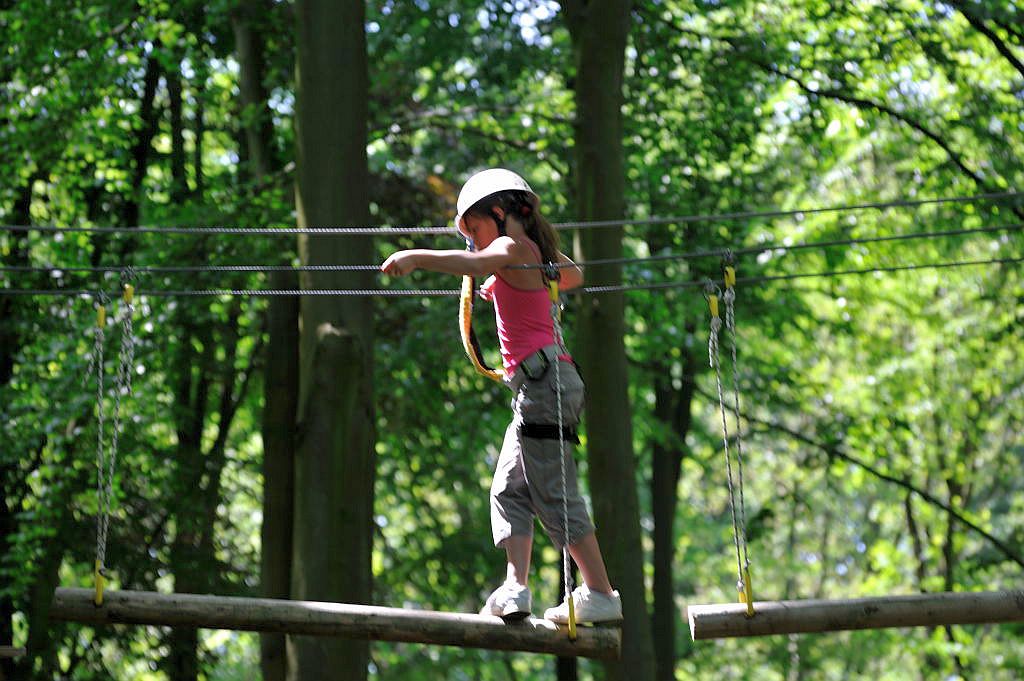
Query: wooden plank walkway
[(814, 616), (334, 619)]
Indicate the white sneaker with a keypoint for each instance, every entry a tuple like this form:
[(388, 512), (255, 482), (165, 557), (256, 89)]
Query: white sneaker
[(509, 601), (591, 606)]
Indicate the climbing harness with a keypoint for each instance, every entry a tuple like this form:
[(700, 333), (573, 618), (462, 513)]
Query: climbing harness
[(106, 460), (739, 523)]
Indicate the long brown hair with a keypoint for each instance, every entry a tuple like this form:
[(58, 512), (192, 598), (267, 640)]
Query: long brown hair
[(523, 206)]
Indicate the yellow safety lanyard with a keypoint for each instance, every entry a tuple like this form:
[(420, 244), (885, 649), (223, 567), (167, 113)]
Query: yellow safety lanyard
[(469, 340)]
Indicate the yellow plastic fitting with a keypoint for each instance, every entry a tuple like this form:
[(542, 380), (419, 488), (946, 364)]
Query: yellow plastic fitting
[(100, 581), (730, 276), (747, 593), (101, 316), (129, 293), (713, 304), (572, 618)]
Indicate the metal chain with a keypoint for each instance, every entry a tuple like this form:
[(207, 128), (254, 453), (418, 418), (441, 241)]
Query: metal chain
[(304, 292), (107, 459), (556, 327), (775, 248), (712, 291), (730, 323), (583, 290), (551, 277), (123, 386), (798, 213), (762, 279), (96, 363)]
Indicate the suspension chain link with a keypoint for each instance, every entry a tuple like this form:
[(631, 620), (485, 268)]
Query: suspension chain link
[(729, 297), (107, 459), (551, 279), (713, 295), (96, 365)]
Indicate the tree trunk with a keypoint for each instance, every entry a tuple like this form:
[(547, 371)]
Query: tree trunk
[(281, 373), (10, 341), (281, 387), (41, 653), (10, 344), (41, 660), (143, 140), (331, 533), (255, 114), (179, 183), (193, 552), (200, 130), (182, 663), (8, 527), (201, 67), (334, 466), (672, 408), (599, 31)]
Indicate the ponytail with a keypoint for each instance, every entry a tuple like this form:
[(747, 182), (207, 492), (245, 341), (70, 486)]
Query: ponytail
[(523, 206)]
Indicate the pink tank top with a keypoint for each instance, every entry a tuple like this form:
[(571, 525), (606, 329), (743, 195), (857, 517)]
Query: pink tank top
[(523, 319)]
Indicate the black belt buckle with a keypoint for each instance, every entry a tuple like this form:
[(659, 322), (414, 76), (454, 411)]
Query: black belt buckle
[(535, 365)]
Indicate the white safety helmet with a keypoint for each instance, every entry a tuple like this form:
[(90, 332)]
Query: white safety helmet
[(484, 184)]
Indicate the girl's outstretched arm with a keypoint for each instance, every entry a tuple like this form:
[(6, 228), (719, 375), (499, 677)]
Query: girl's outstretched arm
[(501, 253)]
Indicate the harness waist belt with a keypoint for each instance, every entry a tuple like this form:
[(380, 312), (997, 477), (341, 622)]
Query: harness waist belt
[(549, 431)]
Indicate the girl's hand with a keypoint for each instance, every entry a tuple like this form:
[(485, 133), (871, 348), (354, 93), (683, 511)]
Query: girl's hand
[(399, 264), (487, 288)]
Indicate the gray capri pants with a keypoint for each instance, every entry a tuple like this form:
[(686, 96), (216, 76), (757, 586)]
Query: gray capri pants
[(528, 476)]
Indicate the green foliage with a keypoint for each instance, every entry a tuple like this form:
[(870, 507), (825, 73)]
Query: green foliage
[(882, 412)]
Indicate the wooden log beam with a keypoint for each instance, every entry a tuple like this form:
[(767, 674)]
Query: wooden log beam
[(11, 651), (815, 616), (333, 619)]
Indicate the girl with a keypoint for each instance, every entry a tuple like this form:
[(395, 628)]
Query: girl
[(498, 214)]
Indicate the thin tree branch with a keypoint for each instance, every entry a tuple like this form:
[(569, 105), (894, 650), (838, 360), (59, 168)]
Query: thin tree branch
[(834, 451), (737, 47), (515, 144), (979, 25)]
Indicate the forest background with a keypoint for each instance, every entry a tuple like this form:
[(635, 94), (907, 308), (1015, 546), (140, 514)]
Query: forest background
[(347, 457)]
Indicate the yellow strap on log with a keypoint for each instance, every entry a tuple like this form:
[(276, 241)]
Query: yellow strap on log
[(572, 618), (100, 581), (747, 595)]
